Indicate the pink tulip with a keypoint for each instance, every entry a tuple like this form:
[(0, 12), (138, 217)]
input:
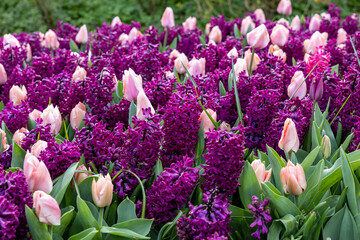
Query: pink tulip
[(82, 36), (143, 103), (46, 208), (10, 41), (52, 116), (295, 23), (260, 16), (174, 54), (3, 75), (240, 66), (246, 23), (281, 54), (51, 40), (42, 39), (81, 176), (38, 147), (168, 20), (296, 81), (317, 40), (211, 42), (255, 62), (284, 22), (180, 62), (233, 53), (261, 174), (259, 37), (116, 21), (17, 94), (284, 7), (3, 140), (19, 135), (79, 74), (134, 34), (189, 24), (169, 74), (207, 28), (325, 16), (315, 23), (36, 174), (341, 36), (124, 39), (289, 139), (35, 115), (197, 66), (215, 34), (225, 126), (102, 191), (279, 35), (293, 178), (77, 114), (28, 52), (208, 125), (132, 85)]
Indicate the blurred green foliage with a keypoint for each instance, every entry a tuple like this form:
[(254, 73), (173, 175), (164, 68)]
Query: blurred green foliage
[(35, 15)]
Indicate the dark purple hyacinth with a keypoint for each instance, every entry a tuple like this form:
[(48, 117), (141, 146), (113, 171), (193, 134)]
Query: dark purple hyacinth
[(41, 132), (5, 158), (261, 216), (15, 117), (9, 220)]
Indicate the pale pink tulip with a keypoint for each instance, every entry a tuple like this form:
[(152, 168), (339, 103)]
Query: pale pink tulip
[(134, 34), (225, 126), (143, 103), (17, 94), (3, 140), (19, 135), (293, 178), (116, 21), (81, 176), (174, 54), (246, 23), (284, 7), (82, 36), (208, 125), (240, 66), (189, 24), (132, 85), (281, 54), (46, 208), (341, 36), (3, 75), (315, 23), (279, 35), (197, 66), (169, 74), (260, 16), (259, 37), (215, 34), (79, 74), (102, 191), (51, 115), (38, 147), (180, 62), (36, 174), (255, 62), (35, 115), (51, 40), (284, 22), (261, 174), (296, 81), (233, 53), (42, 39), (325, 16), (289, 138), (168, 20), (77, 114), (28, 52), (211, 42), (295, 23), (207, 28), (10, 41), (124, 39), (317, 40)]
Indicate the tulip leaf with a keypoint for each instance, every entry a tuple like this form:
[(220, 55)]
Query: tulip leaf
[(238, 105), (87, 234), (276, 164), (61, 185), (347, 142), (66, 218), (249, 185), (119, 90), (200, 144), (31, 124), (288, 223), (110, 217), (85, 188), (282, 204), (9, 135), (158, 169), (222, 89), (173, 44), (37, 229), (126, 211), (315, 135), (122, 232), (2, 106), (132, 112), (73, 46), (310, 158), (342, 199), (230, 82), (18, 156), (139, 225)]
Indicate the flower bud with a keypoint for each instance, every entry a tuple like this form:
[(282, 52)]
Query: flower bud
[(51, 40), (315, 23), (240, 66), (35, 115), (259, 37), (326, 146), (211, 42), (116, 21), (189, 24), (284, 7), (316, 89), (208, 125), (81, 176), (10, 41), (289, 138), (207, 28), (28, 52), (17, 94), (168, 20), (317, 40), (77, 114), (295, 23), (180, 62), (102, 191), (134, 34), (261, 174), (293, 178), (82, 36), (36, 174), (174, 54), (3, 141), (143, 103), (215, 34), (124, 39), (256, 60), (279, 35), (52, 116), (233, 53), (197, 66), (79, 74), (284, 22), (38, 147), (260, 16), (19, 135), (341, 36), (246, 23), (280, 53), (132, 85), (225, 126), (46, 208), (3, 75), (296, 81)]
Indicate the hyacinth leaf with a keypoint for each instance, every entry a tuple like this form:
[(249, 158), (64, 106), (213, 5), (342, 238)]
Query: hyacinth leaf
[(37, 229), (315, 136), (132, 112), (236, 31), (200, 144), (341, 226), (73, 46), (276, 163), (70, 132), (338, 133), (282, 204), (222, 89), (85, 188), (158, 169), (139, 225), (31, 124), (293, 61), (60, 187), (230, 82), (18, 156), (9, 135), (355, 51), (122, 232), (126, 211), (119, 90), (173, 44), (87, 234), (172, 224), (335, 69), (2, 106), (310, 158), (66, 218), (249, 184), (287, 224)]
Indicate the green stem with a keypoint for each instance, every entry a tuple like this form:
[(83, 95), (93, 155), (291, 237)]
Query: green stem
[(76, 187), (238, 105), (357, 57), (340, 109), (50, 231), (52, 53), (166, 36), (290, 155), (101, 216), (66, 133), (251, 61)]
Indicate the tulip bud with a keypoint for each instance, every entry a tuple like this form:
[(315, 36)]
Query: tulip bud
[(42, 39), (167, 20), (293, 178), (38, 147), (143, 103), (197, 67), (79, 74), (260, 16), (52, 116), (284, 22), (208, 125), (81, 176), (284, 7), (325, 16), (189, 24), (134, 34), (316, 41), (19, 135), (36, 174), (326, 146), (279, 35), (295, 23), (174, 54), (255, 62), (132, 85), (124, 39), (315, 23), (246, 23), (225, 126), (259, 37), (261, 174), (46, 208), (316, 89), (341, 37), (180, 62), (240, 66), (102, 191), (35, 115), (77, 114), (3, 75), (3, 141), (17, 94), (10, 41), (82, 35), (116, 21), (289, 138), (215, 34), (296, 81), (280, 53), (211, 42), (51, 40), (207, 28), (28, 52), (233, 53)]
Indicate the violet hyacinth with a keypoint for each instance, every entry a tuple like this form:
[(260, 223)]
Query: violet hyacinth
[(9, 219), (41, 131), (261, 216), (15, 117), (5, 158)]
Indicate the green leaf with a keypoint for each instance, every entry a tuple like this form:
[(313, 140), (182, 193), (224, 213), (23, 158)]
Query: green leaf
[(73, 46), (236, 31), (287, 223), (310, 158), (230, 82), (87, 234), (315, 135), (158, 169), (293, 61), (111, 216), (126, 211), (339, 133), (335, 69), (249, 185), (132, 112), (200, 144), (18, 156), (2, 106), (119, 90), (66, 218), (84, 218), (122, 232), (173, 223), (222, 89), (31, 124), (276, 164), (238, 106), (85, 188), (9, 135), (347, 142), (60, 187), (139, 225), (173, 44), (37, 229), (342, 199)]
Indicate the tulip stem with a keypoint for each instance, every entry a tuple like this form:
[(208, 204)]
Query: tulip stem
[(66, 133), (166, 37), (101, 216), (76, 187), (52, 53), (251, 61), (50, 230)]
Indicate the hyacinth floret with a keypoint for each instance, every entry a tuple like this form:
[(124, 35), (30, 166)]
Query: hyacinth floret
[(261, 216)]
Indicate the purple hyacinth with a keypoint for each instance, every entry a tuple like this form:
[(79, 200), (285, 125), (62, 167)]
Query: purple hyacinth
[(5, 158), (42, 132), (15, 117), (261, 216), (9, 220)]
